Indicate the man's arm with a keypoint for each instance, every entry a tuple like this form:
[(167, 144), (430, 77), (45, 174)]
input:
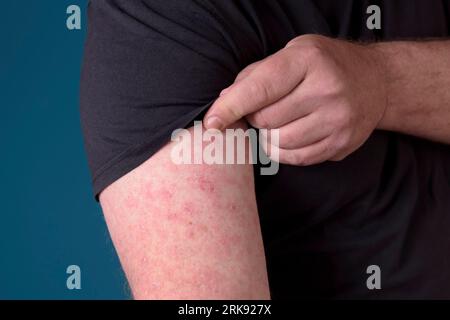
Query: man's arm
[(187, 231), (326, 96), (418, 88)]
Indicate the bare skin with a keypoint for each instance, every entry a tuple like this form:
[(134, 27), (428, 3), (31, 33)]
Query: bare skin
[(418, 86), (327, 96), (187, 231), (192, 231)]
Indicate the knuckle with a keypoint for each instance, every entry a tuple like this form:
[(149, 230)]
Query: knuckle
[(247, 71), (313, 46), (339, 157), (335, 86), (287, 139), (308, 39), (271, 66), (295, 41), (259, 90), (250, 119), (259, 120), (343, 117), (276, 64), (305, 161), (328, 149), (297, 158), (316, 50), (234, 112), (342, 142)]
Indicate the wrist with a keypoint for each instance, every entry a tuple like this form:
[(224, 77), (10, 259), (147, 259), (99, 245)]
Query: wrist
[(381, 56)]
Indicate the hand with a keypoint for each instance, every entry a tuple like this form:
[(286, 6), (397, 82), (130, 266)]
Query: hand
[(325, 96)]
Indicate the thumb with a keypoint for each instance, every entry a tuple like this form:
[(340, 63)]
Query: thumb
[(241, 75)]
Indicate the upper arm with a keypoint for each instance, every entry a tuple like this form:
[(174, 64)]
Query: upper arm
[(151, 67), (187, 231)]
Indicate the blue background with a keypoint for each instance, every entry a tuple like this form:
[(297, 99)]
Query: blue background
[(49, 219)]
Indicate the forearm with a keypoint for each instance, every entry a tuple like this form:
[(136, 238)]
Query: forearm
[(418, 88)]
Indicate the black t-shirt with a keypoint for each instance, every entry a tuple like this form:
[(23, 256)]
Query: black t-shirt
[(152, 66)]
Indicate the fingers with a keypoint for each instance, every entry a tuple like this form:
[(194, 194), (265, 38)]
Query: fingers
[(292, 106), (269, 81), (303, 132), (312, 154), (305, 141)]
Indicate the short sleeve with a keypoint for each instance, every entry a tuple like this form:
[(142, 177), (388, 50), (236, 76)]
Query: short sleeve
[(149, 68)]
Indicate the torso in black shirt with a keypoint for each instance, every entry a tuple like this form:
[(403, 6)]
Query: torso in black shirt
[(388, 204)]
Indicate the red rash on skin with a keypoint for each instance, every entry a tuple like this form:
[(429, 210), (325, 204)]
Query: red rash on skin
[(165, 195), (188, 208), (172, 215), (153, 192), (193, 232), (202, 182), (206, 185), (196, 231)]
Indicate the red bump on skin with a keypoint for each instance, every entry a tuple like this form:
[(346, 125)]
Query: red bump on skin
[(188, 208), (196, 231), (203, 228), (171, 215), (202, 182), (206, 184), (165, 195), (191, 235)]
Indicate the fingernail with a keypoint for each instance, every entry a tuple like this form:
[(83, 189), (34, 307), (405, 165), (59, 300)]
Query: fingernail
[(214, 122)]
